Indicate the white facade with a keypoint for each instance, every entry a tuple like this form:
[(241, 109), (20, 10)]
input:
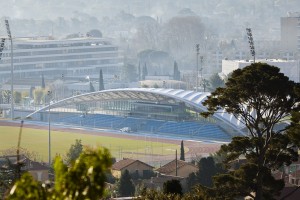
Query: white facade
[(289, 68), (78, 56)]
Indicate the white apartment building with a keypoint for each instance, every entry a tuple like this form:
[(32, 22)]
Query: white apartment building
[(290, 32), (33, 57), (289, 67)]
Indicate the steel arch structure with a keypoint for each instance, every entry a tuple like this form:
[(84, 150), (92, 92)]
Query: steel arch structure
[(190, 98)]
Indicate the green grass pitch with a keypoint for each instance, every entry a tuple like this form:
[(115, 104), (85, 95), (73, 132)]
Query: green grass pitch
[(36, 140)]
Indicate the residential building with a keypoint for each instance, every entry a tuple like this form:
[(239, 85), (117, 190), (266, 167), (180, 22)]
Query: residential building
[(290, 32), (38, 170), (134, 167), (290, 68), (184, 169)]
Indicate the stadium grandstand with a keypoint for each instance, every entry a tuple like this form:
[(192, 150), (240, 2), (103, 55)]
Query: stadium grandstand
[(164, 112)]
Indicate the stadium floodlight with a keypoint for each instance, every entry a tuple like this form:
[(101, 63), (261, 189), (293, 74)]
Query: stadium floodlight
[(197, 73), (251, 42), (12, 68)]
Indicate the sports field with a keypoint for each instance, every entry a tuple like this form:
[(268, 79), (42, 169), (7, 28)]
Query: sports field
[(36, 140)]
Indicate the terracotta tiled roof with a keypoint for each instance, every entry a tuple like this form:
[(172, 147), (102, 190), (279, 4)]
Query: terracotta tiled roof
[(171, 166), (125, 163)]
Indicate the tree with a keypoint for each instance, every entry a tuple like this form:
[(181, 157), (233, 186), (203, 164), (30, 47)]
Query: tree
[(215, 82), (191, 181), (172, 187), (101, 82), (92, 89), (94, 33), (129, 73), (39, 95), (144, 72), (74, 152), (17, 97), (125, 186), (261, 97), (85, 179), (43, 82), (182, 151), (139, 71), (207, 169), (176, 72), (31, 90)]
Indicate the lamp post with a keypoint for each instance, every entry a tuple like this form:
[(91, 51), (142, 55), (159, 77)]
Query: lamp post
[(12, 68), (251, 42), (197, 54), (49, 93)]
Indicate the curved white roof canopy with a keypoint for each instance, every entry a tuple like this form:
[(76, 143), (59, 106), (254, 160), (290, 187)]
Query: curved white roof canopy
[(160, 95)]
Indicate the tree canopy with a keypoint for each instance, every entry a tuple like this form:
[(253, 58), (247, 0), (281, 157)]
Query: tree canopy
[(125, 186), (261, 97), (83, 180), (74, 152)]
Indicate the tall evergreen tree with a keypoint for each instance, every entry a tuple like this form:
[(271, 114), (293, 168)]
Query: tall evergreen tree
[(207, 169), (43, 82), (145, 72), (125, 186), (176, 72), (139, 71), (260, 97), (101, 82), (172, 187), (182, 151), (92, 89), (74, 152)]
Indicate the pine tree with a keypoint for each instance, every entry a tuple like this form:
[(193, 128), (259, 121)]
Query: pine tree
[(92, 89), (176, 72), (43, 82), (126, 187), (145, 72), (101, 82), (139, 71), (182, 151)]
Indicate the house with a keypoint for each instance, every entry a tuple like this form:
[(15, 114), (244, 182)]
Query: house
[(158, 181), (39, 171), (183, 168), (134, 167)]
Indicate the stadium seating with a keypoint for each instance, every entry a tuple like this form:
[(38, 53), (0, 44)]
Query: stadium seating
[(185, 129)]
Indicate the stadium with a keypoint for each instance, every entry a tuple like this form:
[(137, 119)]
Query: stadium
[(165, 113)]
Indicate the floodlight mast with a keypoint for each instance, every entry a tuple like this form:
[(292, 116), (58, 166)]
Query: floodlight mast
[(251, 42), (197, 74), (12, 68)]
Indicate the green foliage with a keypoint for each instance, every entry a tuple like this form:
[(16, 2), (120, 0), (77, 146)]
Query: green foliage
[(154, 195), (43, 82), (17, 97), (6, 96), (74, 152), (263, 90), (182, 151), (144, 72), (191, 181), (125, 186), (207, 169), (215, 81), (101, 81), (28, 188), (176, 72), (39, 95), (92, 88), (83, 180), (129, 73), (172, 187)]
